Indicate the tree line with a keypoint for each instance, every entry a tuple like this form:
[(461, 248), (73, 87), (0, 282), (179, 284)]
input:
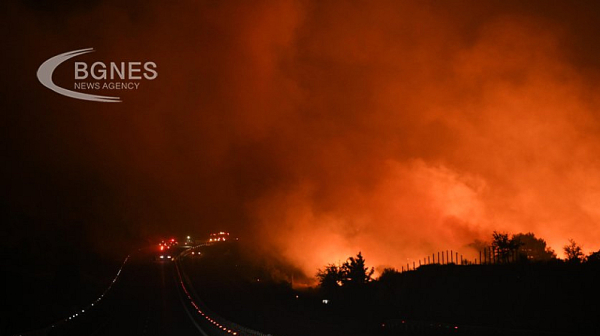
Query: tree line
[(504, 248), (526, 246)]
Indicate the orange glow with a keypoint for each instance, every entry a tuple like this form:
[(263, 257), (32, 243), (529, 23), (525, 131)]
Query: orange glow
[(426, 140), (320, 129)]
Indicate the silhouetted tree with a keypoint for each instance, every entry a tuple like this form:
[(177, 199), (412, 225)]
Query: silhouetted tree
[(534, 249), (503, 246), (574, 252), (331, 277), (356, 272), (594, 257)]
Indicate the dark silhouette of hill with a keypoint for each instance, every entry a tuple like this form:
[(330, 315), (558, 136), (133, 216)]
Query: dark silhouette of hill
[(523, 298)]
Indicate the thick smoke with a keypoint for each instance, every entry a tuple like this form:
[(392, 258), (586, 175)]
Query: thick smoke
[(317, 130)]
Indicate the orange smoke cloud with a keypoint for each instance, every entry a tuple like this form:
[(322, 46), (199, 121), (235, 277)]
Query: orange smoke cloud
[(395, 129), (412, 211), (430, 143)]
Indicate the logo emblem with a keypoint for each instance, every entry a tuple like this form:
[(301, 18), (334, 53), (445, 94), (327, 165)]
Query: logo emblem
[(45, 71), (109, 76)]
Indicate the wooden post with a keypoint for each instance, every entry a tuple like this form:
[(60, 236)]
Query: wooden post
[(451, 256)]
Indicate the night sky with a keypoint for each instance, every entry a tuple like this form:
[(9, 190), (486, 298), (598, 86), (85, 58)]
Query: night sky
[(311, 130)]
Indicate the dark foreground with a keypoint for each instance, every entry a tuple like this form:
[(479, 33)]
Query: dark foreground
[(506, 299), (515, 299)]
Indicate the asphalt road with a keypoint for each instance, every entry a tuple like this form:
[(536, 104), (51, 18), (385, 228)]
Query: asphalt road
[(147, 299)]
